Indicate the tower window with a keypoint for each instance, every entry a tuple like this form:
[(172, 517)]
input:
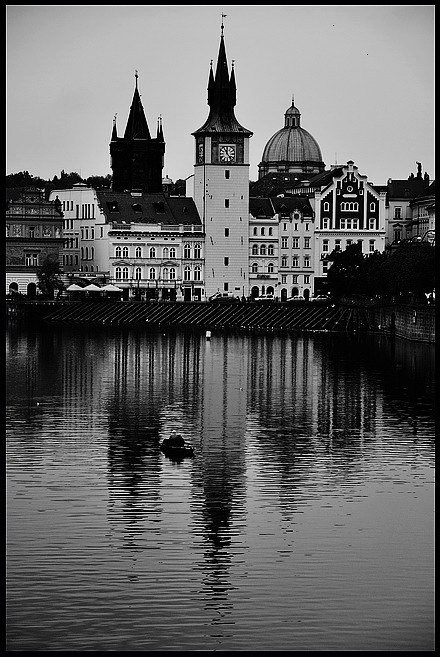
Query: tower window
[(226, 203), (227, 174)]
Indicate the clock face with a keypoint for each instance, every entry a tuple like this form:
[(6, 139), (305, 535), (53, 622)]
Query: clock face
[(227, 153)]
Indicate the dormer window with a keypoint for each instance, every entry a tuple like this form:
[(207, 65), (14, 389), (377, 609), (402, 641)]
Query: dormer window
[(113, 206), (159, 207)]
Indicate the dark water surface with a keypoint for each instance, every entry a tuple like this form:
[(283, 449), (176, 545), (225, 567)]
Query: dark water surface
[(305, 521)]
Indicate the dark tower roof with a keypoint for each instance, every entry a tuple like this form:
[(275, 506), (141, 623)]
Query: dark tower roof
[(137, 126), (222, 97)]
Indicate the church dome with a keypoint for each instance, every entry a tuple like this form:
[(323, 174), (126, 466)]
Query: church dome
[(292, 149)]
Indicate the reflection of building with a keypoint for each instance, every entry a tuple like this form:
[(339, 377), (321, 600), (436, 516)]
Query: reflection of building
[(33, 233)]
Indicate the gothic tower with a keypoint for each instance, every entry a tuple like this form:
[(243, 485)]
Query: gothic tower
[(137, 159), (221, 184)]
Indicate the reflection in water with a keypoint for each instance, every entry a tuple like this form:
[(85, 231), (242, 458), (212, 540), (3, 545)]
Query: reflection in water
[(304, 522)]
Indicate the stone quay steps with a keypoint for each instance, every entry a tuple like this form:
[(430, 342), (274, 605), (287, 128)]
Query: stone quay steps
[(253, 316)]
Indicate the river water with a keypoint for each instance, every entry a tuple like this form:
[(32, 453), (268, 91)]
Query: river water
[(304, 522)]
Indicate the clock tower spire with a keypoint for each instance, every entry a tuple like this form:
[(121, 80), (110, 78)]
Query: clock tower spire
[(221, 183)]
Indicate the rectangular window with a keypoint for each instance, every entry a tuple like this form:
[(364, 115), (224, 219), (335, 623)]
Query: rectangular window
[(226, 203), (372, 224), (397, 213), (295, 261), (306, 279), (371, 246), (306, 261), (284, 226), (337, 245), (226, 232), (325, 246), (283, 279), (325, 266), (306, 226), (227, 174), (294, 279), (307, 242), (295, 242), (325, 223), (226, 260), (284, 244)]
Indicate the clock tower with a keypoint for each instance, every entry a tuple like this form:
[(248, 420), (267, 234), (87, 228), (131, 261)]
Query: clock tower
[(221, 185)]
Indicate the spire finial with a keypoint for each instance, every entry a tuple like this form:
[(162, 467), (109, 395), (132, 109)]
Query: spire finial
[(136, 76), (114, 118), (222, 26)]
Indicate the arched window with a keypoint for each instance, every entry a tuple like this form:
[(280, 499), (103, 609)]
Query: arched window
[(172, 273), (197, 251), (255, 230), (165, 253), (255, 249), (187, 273), (152, 274), (172, 253), (255, 268), (138, 273), (263, 249), (138, 252), (326, 206), (283, 261), (270, 251), (118, 252), (372, 207), (270, 268), (262, 230), (118, 273), (152, 252), (165, 273), (125, 252), (125, 273), (197, 273), (187, 251)]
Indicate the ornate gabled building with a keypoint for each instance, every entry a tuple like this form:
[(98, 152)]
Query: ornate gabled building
[(137, 159), (33, 233), (221, 184)]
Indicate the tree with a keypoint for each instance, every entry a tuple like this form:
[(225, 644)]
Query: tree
[(24, 179), (49, 276), (343, 272)]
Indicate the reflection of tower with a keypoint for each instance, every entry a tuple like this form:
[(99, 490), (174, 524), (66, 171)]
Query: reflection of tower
[(222, 458)]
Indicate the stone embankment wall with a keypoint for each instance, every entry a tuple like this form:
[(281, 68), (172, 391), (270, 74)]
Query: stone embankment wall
[(412, 322)]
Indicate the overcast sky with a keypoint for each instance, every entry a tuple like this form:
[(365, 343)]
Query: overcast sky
[(362, 78)]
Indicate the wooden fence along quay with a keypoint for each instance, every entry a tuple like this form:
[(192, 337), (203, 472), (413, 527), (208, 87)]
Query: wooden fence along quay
[(410, 321)]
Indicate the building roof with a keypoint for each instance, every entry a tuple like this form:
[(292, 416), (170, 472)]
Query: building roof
[(291, 203), (146, 208), (222, 96), (406, 189), (292, 143)]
